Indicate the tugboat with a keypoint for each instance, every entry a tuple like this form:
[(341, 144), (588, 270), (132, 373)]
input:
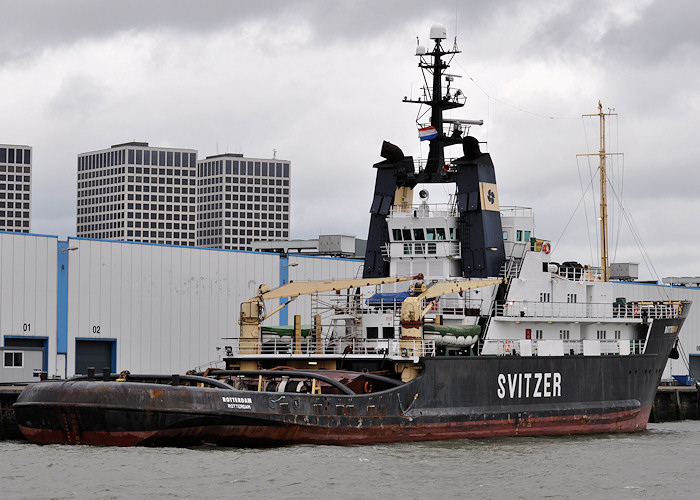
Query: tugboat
[(477, 334)]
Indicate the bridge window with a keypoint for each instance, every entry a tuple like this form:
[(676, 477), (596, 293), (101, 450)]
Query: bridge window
[(518, 235), (418, 234), (406, 234), (396, 234), (430, 232), (440, 233)]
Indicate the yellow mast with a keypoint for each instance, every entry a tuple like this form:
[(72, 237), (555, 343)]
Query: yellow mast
[(602, 154), (603, 200)]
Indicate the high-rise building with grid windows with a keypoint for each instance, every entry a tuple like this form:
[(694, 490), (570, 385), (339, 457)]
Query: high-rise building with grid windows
[(134, 192), (241, 200), (15, 188)]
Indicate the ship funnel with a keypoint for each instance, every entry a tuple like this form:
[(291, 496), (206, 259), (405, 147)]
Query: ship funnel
[(391, 152), (438, 32)]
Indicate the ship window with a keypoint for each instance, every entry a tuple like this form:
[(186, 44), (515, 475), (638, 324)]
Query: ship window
[(538, 334), (452, 233), (372, 332), (440, 233), (617, 334), (430, 233), (432, 248), (406, 234), (407, 249), (527, 235), (545, 297), (564, 334), (600, 334), (505, 235), (571, 298), (418, 234), (518, 235)]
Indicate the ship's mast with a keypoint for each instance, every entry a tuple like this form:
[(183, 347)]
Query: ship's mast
[(434, 63), (603, 200), (602, 155)]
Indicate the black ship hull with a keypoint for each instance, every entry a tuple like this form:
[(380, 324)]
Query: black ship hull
[(453, 397)]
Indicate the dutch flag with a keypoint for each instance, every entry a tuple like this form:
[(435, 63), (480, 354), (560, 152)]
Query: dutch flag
[(427, 133)]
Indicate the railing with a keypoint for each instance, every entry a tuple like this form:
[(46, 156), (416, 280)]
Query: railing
[(631, 310), (424, 210), (563, 347), (285, 345)]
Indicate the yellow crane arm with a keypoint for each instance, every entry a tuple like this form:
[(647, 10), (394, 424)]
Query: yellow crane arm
[(448, 287), (297, 288), (411, 312)]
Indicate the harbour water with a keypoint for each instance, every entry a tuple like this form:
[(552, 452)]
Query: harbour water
[(662, 462)]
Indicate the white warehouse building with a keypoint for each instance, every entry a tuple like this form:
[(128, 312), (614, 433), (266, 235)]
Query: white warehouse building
[(137, 306)]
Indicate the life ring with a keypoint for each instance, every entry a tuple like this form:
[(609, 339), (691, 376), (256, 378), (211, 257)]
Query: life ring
[(635, 310), (368, 386), (506, 346), (546, 247)]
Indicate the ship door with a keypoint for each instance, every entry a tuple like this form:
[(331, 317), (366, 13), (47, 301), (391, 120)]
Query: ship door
[(98, 354), (528, 334)]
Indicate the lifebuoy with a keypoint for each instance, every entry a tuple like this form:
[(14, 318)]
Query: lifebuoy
[(635, 310), (506, 345), (368, 386), (546, 247)]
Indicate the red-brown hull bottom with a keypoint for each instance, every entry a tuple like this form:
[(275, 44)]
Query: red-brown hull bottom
[(257, 435)]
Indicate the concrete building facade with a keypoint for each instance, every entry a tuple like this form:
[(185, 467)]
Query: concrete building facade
[(15, 188), (242, 200), (134, 192)]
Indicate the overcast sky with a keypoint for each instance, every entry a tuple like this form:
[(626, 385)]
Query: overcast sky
[(321, 83)]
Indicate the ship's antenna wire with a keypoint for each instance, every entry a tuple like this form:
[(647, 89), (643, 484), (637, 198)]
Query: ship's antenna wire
[(590, 175), (522, 110), (580, 201), (638, 239)]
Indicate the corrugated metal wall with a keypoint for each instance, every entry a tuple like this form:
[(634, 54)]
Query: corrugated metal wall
[(28, 276), (167, 307)]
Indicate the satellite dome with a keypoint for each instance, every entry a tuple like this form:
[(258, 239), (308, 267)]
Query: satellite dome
[(438, 32)]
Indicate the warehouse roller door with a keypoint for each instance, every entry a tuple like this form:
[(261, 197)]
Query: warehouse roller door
[(98, 354)]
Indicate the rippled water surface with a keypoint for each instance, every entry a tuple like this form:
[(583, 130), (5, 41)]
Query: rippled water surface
[(663, 462)]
